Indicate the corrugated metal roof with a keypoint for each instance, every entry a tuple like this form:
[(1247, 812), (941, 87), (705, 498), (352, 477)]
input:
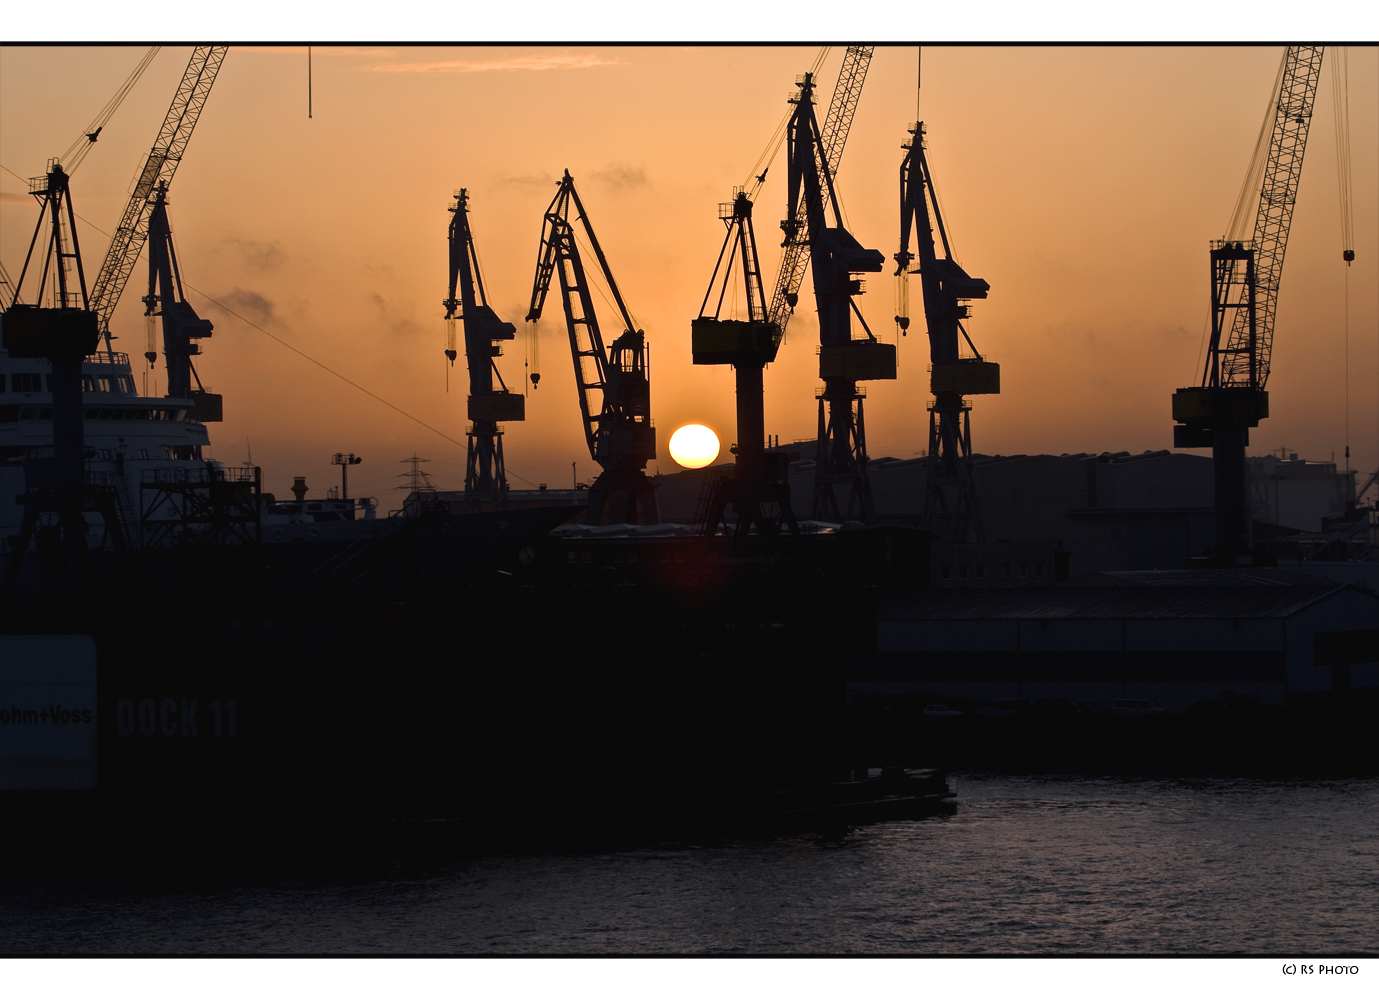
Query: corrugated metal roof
[(1105, 602), (1241, 577)]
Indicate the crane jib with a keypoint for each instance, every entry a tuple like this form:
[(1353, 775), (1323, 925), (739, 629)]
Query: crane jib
[(168, 149)]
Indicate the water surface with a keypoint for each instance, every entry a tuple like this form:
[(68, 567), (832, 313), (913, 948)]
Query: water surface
[(1029, 865)]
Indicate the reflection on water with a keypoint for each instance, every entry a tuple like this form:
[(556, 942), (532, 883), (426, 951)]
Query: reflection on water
[(1042, 865)]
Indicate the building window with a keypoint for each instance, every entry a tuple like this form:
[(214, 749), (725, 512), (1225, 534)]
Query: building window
[(143, 453), (981, 571), (1038, 569), (962, 570), (27, 382), (1024, 569), (1007, 569)]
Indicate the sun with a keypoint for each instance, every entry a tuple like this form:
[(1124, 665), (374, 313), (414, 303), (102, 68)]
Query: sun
[(694, 446)]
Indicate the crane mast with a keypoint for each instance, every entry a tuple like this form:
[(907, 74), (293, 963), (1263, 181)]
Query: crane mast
[(485, 476), (759, 489), (613, 383), (1245, 277), (946, 289), (157, 171), (834, 257), (182, 327)]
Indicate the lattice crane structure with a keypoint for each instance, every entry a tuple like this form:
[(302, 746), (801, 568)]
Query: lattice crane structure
[(947, 289), (155, 175), (485, 477), (614, 383), (1245, 277)]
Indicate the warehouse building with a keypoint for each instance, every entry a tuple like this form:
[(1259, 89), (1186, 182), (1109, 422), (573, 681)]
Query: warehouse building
[(1174, 637)]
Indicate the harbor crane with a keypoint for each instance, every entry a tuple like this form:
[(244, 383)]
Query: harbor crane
[(485, 477), (182, 327), (834, 257), (154, 176), (63, 331), (759, 488), (613, 383), (1245, 275), (947, 289)]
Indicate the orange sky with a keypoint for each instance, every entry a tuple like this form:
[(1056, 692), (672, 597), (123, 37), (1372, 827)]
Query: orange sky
[(1082, 183)]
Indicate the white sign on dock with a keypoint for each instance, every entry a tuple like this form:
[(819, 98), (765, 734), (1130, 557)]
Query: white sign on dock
[(47, 712)]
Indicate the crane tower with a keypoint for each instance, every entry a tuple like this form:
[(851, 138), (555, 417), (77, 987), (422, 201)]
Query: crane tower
[(947, 288), (485, 477), (759, 489), (614, 383), (1245, 276), (835, 257)]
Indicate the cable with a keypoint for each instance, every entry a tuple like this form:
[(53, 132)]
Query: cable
[(1247, 200), (1340, 105), (75, 153), (919, 76), (773, 144)]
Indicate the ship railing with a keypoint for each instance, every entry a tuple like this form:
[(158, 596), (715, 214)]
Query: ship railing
[(234, 474), (108, 358)]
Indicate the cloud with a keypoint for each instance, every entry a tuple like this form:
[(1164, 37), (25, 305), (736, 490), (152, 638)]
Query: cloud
[(401, 324), (14, 198), (620, 177), (534, 62), (249, 304), (541, 180), (261, 255)]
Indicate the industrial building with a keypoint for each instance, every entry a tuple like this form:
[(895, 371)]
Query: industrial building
[(1176, 638)]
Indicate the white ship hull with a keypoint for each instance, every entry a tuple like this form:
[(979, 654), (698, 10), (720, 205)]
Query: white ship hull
[(127, 436)]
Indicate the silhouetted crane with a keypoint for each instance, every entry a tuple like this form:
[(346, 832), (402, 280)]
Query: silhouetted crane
[(946, 288), (485, 475), (834, 257), (614, 384), (1245, 278), (759, 490), (182, 327), (63, 332)]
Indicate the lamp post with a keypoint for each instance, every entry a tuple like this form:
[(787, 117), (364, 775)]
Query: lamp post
[(345, 461)]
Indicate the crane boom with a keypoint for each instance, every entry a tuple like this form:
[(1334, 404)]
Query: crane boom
[(842, 108), (1302, 67), (158, 169)]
